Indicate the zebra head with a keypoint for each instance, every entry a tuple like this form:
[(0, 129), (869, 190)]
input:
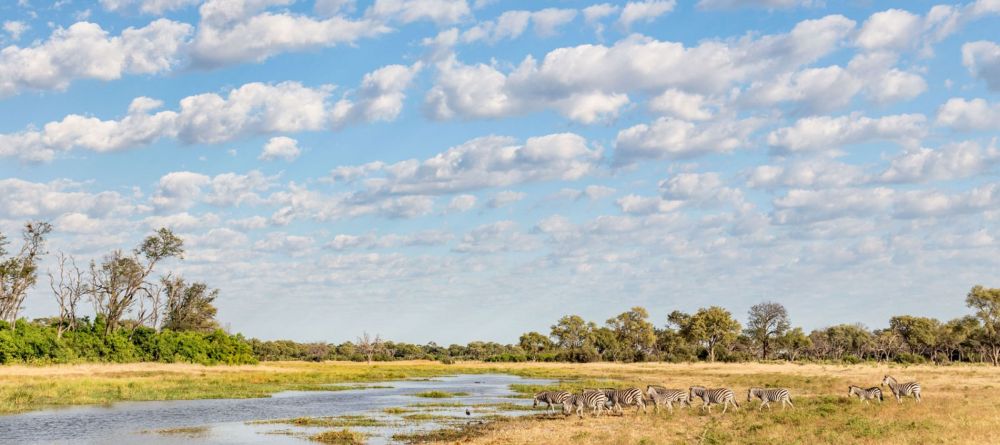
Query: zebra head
[(888, 380), (696, 391), (537, 396)]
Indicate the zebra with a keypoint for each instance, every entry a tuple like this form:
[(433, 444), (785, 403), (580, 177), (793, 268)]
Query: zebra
[(864, 395), (625, 397), (588, 398), (550, 398), (901, 390), (768, 395), (662, 395), (713, 396)]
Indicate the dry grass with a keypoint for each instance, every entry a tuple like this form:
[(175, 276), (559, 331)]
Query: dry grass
[(961, 405)]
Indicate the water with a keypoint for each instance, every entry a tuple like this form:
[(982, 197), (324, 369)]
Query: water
[(223, 421)]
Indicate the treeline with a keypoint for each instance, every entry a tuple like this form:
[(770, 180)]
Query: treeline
[(709, 334), (138, 317), (167, 319)]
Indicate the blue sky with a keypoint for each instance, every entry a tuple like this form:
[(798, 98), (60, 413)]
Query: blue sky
[(453, 170)]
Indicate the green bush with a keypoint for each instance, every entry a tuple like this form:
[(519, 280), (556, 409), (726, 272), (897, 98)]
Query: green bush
[(38, 342)]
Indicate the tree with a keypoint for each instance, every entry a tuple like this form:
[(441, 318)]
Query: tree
[(68, 288), (370, 347), (636, 335), (188, 306), (794, 342), (572, 333), (534, 343), (19, 272), (121, 279), (713, 327), (986, 302), (919, 333), (767, 321)]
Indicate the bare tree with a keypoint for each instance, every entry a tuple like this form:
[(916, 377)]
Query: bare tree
[(369, 346), (19, 272), (121, 279), (68, 287)]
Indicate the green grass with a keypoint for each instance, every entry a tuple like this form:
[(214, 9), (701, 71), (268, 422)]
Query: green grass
[(339, 437), (439, 394), (340, 421)]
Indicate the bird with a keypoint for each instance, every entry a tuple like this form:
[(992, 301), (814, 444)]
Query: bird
[(468, 412)]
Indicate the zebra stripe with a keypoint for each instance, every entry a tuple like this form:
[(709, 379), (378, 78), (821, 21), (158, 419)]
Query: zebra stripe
[(714, 396), (593, 399), (662, 395), (768, 395), (551, 398), (864, 395), (901, 390), (625, 397)]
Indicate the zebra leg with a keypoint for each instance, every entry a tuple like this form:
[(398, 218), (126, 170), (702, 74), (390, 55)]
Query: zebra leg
[(725, 406), (916, 394)]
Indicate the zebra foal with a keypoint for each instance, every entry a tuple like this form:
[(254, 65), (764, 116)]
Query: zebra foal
[(667, 396), (768, 395), (864, 395), (714, 396), (550, 398), (901, 390)]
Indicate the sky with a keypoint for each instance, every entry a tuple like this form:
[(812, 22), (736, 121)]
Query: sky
[(458, 170)]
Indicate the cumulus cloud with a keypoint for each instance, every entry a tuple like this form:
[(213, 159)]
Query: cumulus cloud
[(379, 98), (280, 147), (982, 58), (182, 190), (505, 198), (46, 200), (462, 203), (810, 173), (829, 133), (86, 51), (211, 118), (673, 138), (14, 29), (969, 115), (769, 4), (589, 83), (243, 31), (952, 161), (407, 11), (644, 11), (148, 6), (491, 161)]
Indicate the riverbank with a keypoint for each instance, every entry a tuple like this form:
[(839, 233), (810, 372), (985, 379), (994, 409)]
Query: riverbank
[(961, 403)]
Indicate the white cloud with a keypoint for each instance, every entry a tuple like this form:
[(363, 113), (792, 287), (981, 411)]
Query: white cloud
[(379, 98), (645, 205), (86, 51), (644, 11), (462, 203), (700, 189), (591, 82), (593, 14), (505, 198), (830, 133), (674, 138), (681, 105), (491, 161), (25, 199), (181, 190), (893, 29), (512, 24), (812, 173), (280, 147), (15, 28), (769, 4), (952, 161), (235, 31), (148, 6), (969, 115), (803, 206), (501, 236), (210, 118), (407, 11), (982, 58)]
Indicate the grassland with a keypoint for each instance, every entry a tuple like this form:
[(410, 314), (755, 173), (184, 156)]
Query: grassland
[(961, 403)]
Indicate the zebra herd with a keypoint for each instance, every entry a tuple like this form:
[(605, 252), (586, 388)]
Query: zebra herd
[(597, 400)]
